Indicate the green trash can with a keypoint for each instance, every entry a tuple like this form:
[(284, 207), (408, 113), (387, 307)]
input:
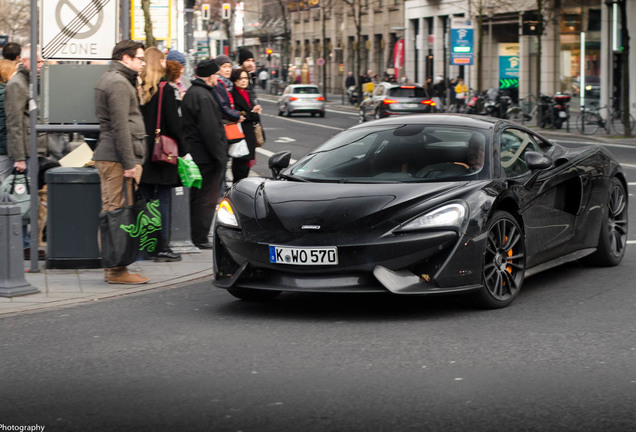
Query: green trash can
[(74, 204)]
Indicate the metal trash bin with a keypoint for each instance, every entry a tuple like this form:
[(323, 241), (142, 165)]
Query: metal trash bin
[(74, 204)]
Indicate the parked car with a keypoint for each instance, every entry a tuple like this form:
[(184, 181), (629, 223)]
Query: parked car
[(424, 204), (301, 98), (389, 99)]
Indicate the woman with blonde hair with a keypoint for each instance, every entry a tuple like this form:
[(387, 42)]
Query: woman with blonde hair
[(7, 69), (157, 179)]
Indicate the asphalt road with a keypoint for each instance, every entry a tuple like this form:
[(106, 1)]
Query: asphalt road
[(192, 358), (562, 357)]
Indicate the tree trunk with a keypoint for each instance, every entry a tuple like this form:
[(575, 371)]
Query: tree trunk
[(539, 36), (625, 69), (150, 38)]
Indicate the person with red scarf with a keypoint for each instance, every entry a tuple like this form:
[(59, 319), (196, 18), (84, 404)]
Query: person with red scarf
[(248, 109)]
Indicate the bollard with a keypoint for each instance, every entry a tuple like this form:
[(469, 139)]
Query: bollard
[(12, 282), (180, 238)]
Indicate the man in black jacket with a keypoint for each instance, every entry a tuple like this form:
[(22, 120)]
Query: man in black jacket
[(204, 133)]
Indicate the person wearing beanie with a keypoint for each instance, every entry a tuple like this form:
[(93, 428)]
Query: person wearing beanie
[(204, 133), (177, 56)]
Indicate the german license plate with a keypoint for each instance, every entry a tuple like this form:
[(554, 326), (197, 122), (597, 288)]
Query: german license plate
[(303, 255)]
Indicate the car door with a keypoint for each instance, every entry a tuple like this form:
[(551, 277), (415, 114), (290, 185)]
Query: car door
[(550, 205)]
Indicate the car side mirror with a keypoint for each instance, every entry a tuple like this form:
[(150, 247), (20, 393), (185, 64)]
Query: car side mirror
[(537, 162), (278, 162)]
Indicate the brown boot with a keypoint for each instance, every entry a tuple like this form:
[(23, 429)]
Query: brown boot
[(125, 278)]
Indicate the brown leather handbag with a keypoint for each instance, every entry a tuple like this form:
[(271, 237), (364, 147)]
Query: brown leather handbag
[(166, 150)]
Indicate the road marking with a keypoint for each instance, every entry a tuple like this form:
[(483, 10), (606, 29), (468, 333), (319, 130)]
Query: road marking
[(285, 140), (304, 123)]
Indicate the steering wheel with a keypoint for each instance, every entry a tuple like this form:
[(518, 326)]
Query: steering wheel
[(442, 170)]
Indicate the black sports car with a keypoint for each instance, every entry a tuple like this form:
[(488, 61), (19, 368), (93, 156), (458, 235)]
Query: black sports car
[(425, 204)]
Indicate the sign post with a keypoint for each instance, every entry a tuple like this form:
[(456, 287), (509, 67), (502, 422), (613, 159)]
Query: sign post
[(462, 46)]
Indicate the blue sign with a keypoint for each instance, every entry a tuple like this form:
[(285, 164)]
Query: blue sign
[(462, 46)]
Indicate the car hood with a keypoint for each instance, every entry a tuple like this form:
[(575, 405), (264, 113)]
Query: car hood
[(327, 207)]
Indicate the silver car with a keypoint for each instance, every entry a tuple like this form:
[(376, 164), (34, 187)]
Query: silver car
[(301, 98)]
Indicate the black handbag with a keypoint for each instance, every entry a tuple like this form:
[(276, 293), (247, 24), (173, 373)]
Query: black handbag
[(129, 231)]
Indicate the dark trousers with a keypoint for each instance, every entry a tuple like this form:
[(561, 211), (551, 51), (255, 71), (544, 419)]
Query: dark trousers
[(203, 201), (240, 169)]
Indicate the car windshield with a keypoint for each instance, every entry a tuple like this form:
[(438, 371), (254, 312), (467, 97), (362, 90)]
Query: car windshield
[(413, 92), (306, 90), (396, 153)]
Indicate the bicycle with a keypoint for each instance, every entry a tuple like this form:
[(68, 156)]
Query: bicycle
[(591, 120)]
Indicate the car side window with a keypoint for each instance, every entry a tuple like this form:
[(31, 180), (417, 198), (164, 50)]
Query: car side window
[(514, 144)]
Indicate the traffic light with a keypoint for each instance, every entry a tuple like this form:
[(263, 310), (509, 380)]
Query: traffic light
[(205, 11), (225, 11), (268, 51)]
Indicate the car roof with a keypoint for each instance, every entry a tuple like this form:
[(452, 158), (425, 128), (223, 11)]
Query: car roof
[(479, 122), (303, 85), (394, 85)]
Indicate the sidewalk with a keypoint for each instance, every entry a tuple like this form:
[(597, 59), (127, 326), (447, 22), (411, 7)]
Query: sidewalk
[(67, 287)]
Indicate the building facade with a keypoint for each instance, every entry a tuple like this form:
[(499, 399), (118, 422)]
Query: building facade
[(581, 45)]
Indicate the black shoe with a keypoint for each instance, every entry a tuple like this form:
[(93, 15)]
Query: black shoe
[(206, 245), (167, 256)]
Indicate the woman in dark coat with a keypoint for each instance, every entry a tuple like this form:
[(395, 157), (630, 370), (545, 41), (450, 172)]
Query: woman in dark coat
[(248, 109), (158, 179)]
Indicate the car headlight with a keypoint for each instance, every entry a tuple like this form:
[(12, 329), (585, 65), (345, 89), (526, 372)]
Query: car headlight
[(447, 216), (225, 214)]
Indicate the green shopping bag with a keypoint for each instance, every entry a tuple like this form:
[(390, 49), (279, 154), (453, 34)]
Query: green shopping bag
[(189, 172)]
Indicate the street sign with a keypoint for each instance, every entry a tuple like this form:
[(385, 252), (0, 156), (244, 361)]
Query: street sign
[(461, 42), (320, 62), (78, 29), (508, 65)]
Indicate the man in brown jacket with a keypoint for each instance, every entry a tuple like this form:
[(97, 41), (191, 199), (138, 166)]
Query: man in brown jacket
[(121, 148)]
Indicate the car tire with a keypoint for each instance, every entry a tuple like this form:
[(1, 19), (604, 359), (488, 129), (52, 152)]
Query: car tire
[(612, 241), (249, 294), (361, 118), (321, 114), (280, 111), (504, 262)]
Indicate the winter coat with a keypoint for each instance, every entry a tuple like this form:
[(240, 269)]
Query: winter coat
[(203, 129), (122, 131), (3, 123), (18, 121), (161, 173), (251, 118), (222, 92)]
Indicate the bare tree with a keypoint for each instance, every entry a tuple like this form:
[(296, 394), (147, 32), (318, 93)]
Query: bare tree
[(286, 37), (355, 7), (15, 18), (150, 38)]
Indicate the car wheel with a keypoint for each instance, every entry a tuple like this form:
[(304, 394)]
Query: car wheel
[(313, 114), (321, 113), (612, 240), (361, 118), (280, 111), (504, 262), (249, 294)]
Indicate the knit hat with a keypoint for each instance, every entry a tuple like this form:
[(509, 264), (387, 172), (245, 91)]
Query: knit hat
[(222, 59), (175, 55), (244, 54), (206, 68)]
